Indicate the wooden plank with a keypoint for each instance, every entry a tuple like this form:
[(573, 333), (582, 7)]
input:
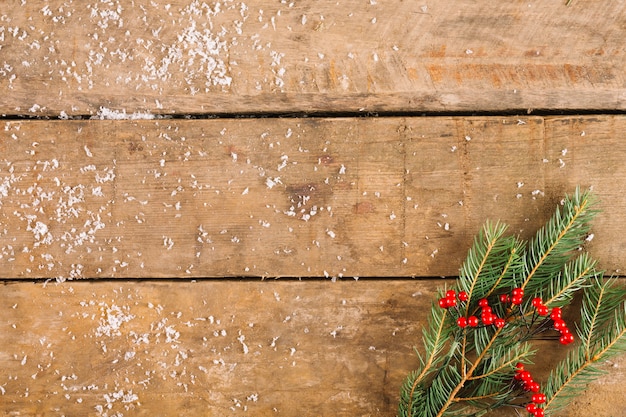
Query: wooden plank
[(232, 57), (314, 348), (292, 197)]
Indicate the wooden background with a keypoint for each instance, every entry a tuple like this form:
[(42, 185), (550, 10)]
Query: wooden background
[(356, 145)]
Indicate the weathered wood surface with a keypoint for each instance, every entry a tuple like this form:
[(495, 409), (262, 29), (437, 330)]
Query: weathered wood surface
[(315, 348), (69, 58), (293, 197)]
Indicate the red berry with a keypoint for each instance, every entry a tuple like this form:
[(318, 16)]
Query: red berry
[(504, 298), (530, 407), (462, 322), (447, 302), (463, 296), (488, 319), (525, 376), (565, 331), (533, 386), (499, 322), (516, 300), (543, 310), (483, 302), (537, 302), (517, 292), (556, 313), (559, 324), (566, 339), (450, 294), (472, 321), (519, 367), (539, 398), (539, 412)]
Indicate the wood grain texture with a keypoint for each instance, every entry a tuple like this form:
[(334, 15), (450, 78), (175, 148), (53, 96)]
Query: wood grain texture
[(293, 197), (219, 348), (70, 58)]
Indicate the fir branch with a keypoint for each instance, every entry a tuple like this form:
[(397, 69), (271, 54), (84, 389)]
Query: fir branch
[(412, 396), (574, 276), (602, 331), (554, 243), (601, 302), (480, 370), (478, 399), (434, 337), (466, 375), (481, 339), (514, 266), (442, 390), (503, 360), (485, 261), (568, 379), (490, 387)]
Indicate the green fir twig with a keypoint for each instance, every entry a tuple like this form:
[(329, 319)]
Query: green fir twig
[(601, 331), (510, 292)]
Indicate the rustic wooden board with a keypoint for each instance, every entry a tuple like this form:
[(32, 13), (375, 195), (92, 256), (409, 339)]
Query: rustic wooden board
[(218, 348), (99, 58), (292, 197)]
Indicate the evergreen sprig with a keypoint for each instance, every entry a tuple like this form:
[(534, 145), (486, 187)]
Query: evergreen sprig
[(601, 331), (490, 262), (556, 242), (471, 366)]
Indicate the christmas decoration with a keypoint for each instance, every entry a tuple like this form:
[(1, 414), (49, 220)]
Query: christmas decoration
[(478, 344)]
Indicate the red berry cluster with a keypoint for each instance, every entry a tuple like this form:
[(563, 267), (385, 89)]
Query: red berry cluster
[(532, 386), (450, 299), (542, 310), (487, 316), (555, 315), (516, 297), (566, 336)]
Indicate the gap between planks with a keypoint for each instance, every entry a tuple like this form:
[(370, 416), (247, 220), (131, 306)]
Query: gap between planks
[(321, 114)]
